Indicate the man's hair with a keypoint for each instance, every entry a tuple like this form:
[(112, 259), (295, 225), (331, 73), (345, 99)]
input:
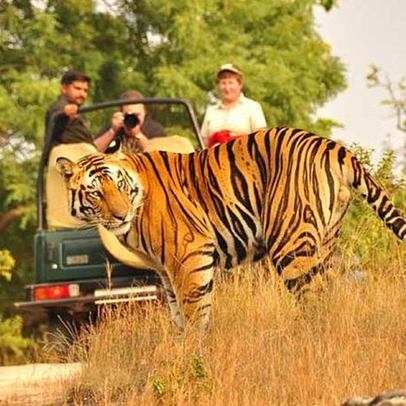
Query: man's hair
[(131, 94), (73, 76)]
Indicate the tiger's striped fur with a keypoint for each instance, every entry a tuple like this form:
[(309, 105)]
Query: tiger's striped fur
[(281, 192)]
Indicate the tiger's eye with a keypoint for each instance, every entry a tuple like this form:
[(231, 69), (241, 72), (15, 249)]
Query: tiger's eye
[(96, 194)]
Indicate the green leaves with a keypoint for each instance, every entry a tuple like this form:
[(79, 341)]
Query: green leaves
[(7, 263), (287, 66), (328, 4), (13, 346)]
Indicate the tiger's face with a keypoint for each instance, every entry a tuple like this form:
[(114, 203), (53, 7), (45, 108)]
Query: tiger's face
[(101, 190)]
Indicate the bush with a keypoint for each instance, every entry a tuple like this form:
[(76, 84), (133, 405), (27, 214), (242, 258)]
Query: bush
[(13, 346)]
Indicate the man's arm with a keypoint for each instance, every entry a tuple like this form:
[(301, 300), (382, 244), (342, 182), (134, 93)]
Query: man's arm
[(104, 139)]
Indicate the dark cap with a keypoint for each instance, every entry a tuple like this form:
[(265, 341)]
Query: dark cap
[(229, 67)]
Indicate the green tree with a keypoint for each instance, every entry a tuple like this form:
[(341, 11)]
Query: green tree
[(180, 45)]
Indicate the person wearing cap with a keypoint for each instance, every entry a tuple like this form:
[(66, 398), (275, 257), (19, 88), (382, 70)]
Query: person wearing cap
[(234, 114)]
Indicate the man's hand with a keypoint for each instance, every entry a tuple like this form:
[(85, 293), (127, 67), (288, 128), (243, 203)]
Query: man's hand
[(117, 121), (142, 141), (71, 110)]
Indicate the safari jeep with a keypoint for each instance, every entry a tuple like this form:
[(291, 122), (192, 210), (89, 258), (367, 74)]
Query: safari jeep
[(75, 272)]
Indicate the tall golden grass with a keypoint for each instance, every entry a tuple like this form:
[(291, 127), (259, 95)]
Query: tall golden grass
[(263, 346)]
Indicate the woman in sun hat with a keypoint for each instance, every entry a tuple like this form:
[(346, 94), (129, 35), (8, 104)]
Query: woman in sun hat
[(234, 114)]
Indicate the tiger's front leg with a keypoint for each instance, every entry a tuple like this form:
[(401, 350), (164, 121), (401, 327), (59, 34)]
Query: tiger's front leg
[(192, 281), (172, 301)]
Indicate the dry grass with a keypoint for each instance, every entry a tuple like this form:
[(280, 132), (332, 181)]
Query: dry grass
[(262, 348)]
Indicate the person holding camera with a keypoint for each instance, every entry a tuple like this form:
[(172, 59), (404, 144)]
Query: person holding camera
[(137, 128), (141, 133)]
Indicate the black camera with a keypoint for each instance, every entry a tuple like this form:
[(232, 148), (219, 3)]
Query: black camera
[(131, 120)]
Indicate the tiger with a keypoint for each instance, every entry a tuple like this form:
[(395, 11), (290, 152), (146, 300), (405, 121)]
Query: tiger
[(280, 193)]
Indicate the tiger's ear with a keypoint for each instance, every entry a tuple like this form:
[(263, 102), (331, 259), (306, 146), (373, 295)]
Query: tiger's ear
[(65, 167)]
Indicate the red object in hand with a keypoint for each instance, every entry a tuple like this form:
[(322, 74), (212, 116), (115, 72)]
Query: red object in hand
[(220, 137)]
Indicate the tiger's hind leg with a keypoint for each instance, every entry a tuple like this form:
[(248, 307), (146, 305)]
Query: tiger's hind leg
[(310, 281), (303, 270), (302, 253), (300, 272)]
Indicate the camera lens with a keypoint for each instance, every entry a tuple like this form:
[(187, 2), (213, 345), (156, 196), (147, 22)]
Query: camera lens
[(131, 120)]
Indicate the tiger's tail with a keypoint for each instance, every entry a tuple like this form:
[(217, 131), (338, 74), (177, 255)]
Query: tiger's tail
[(378, 199)]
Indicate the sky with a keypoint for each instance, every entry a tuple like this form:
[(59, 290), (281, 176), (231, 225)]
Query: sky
[(364, 33)]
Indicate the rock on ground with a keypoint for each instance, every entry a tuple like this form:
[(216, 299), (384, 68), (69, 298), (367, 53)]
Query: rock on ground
[(36, 384)]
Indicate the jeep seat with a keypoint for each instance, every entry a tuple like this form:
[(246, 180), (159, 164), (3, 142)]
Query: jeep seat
[(58, 215)]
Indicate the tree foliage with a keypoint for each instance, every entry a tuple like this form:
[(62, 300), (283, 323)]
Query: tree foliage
[(287, 65), (7, 263), (13, 347), (159, 47)]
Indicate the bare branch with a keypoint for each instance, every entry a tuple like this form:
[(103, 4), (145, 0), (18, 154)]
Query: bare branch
[(12, 215), (396, 104)]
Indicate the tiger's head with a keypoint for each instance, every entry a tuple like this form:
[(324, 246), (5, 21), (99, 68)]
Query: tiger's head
[(102, 189)]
